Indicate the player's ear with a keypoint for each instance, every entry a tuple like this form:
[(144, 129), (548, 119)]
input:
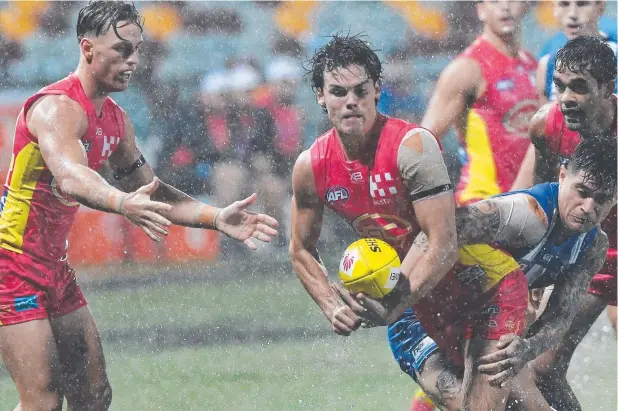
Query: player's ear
[(87, 49), (600, 7), (378, 89), (480, 11), (563, 174), (319, 96)]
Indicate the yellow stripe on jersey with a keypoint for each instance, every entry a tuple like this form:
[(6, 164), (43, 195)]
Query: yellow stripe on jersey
[(495, 262), (482, 176), (27, 168)]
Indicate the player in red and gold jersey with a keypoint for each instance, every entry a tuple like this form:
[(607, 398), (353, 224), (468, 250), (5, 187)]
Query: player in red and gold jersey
[(488, 94), (65, 133), (585, 76), (387, 179)]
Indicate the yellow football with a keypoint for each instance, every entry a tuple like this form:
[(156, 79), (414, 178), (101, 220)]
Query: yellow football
[(370, 266)]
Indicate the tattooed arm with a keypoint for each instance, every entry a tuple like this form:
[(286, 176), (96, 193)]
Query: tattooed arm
[(565, 301), (515, 220)]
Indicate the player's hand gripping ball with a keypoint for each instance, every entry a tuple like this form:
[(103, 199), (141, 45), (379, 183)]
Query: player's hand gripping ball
[(370, 266)]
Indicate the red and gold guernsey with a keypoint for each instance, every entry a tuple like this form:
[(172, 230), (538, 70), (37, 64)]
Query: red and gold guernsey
[(376, 202), (372, 199), (496, 133), (562, 142), (35, 215)]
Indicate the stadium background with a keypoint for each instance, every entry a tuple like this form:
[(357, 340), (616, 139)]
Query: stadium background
[(196, 323)]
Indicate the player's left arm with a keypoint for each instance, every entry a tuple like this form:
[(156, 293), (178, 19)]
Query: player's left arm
[(422, 168), (516, 220), (565, 301), (131, 172)]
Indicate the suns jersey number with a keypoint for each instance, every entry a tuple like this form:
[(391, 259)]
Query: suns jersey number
[(392, 229)]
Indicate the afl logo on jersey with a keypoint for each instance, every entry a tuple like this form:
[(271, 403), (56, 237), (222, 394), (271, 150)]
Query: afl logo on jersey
[(337, 195)]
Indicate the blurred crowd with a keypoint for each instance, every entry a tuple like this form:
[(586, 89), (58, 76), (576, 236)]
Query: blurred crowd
[(220, 94)]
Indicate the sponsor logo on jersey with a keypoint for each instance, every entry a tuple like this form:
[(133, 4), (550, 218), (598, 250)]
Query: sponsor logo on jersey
[(382, 185), (517, 119), (491, 310), (392, 229), (425, 344), (356, 177), (26, 303), (337, 195), (470, 274)]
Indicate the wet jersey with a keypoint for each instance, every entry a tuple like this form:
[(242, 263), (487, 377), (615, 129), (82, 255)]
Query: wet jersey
[(375, 202), (35, 215), (371, 198), (544, 264), (496, 133), (562, 141)]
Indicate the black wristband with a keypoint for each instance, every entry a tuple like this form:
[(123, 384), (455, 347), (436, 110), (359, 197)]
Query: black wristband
[(122, 173)]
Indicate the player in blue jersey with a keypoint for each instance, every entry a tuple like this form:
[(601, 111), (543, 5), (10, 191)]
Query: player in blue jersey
[(576, 18), (552, 231)]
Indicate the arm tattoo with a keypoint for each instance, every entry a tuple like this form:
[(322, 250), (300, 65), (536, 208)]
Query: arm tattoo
[(566, 298), (421, 242), (477, 223)]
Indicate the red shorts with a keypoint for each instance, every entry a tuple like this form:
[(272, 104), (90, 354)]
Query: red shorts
[(455, 312), (32, 290), (604, 285)]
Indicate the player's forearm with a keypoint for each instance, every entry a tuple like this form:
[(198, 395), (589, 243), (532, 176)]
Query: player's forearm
[(426, 264), (312, 274), (551, 328), (186, 211), (87, 187), (525, 176)]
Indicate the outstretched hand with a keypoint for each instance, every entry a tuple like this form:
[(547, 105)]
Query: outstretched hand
[(237, 222), (145, 213)]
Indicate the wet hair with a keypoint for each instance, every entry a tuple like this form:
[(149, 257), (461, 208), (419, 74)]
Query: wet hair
[(98, 16), (589, 53), (341, 51), (595, 157)]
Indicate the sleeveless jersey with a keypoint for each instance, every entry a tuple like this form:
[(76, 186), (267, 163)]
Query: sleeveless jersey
[(35, 215), (550, 87), (544, 264), (562, 141), (372, 199), (496, 136)]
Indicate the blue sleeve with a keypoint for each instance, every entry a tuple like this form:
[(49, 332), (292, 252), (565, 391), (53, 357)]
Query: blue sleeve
[(608, 26)]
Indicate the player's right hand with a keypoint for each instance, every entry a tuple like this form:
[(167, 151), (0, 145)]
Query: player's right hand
[(344, 321), (145, 213)]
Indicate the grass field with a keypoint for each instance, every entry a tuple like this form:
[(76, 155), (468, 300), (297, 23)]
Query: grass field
[(225, 342)]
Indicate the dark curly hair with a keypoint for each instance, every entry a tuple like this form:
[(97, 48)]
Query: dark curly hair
[(98, 16), (589, 53), (596, 158), (341, 51)]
